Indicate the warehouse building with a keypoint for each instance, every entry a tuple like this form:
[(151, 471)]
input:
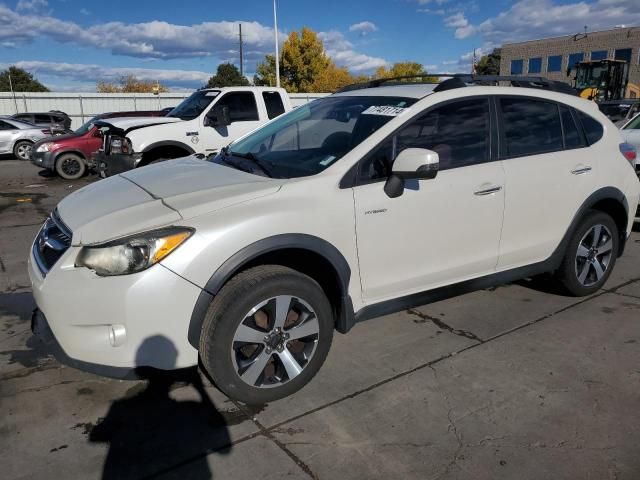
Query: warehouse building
[(550, 57)]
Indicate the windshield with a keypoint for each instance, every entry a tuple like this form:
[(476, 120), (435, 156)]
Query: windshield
[(591, 76), (312, 137), (192, 106), (86, 127), (633, 124)]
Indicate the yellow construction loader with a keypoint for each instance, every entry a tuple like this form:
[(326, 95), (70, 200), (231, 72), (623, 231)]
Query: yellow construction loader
[(603, 80)]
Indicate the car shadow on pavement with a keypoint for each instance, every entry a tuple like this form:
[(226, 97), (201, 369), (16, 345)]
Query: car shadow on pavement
[(152, 430)]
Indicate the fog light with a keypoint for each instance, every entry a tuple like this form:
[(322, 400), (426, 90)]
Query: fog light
[(117, 335)]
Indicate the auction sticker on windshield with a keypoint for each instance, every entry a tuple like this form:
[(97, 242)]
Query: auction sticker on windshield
[(386, 110)]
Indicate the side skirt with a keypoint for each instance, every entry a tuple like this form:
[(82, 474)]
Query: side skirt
[(449, 291)]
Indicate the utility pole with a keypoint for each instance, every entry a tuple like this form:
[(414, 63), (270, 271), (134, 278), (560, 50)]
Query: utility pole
[(241, 61), (15, 102), (275, 32)]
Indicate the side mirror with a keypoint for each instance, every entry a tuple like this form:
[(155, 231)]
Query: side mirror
[(411, 163), (217, 117)]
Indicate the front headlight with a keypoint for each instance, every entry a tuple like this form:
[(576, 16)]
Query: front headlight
[(120, 145), (45, 147), (132, 254)]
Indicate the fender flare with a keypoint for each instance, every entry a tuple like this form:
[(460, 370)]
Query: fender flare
[(63, 151), (605, 193), (168, 143), (266, 245)]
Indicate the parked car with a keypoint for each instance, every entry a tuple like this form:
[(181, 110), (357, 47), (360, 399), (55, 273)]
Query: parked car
[(203, 123), (631, 133), (620, 111), (55, 120), (70, 156), (357, 205), (18, 137)]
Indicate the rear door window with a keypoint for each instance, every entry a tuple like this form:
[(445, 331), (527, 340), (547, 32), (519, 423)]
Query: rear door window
[(572, 136), (41, 118), (273, 102), (529, 127), (6, 126), (242, 106), (592, 128)]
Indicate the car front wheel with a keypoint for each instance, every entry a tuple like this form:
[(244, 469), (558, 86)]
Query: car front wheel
[(22, 150), (266, 334), (70, 166), (590, 256)]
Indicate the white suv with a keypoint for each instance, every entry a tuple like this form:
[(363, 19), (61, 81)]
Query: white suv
[(356, 205)]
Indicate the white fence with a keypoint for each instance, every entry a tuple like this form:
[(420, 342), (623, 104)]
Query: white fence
[(83, 106)]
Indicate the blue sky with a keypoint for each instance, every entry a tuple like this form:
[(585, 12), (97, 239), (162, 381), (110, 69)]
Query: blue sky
[(70, 44)]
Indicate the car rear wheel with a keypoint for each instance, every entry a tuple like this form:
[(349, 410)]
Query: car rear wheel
[(266, 334), (70, 166), (590, 256), (22, 150)]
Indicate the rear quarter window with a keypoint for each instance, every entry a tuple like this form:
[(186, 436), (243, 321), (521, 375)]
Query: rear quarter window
[(593, 129)]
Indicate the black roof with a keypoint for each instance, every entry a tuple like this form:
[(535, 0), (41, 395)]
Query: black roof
[(461, 80)]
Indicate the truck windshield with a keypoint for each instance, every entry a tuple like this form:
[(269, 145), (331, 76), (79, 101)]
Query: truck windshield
[(312, 137), (192, 106)]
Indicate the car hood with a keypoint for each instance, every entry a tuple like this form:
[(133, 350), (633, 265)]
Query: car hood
[(157, 196), (56, 139), (126, 123)]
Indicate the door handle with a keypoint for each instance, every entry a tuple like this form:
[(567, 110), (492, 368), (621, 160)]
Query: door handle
[(488, 190), (581, 170)]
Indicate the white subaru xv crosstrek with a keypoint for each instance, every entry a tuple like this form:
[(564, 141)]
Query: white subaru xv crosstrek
[(359, 204)]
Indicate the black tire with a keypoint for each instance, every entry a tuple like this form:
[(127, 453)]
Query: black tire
[(573, 264), (230, 308), (22, 150), (70, 166)]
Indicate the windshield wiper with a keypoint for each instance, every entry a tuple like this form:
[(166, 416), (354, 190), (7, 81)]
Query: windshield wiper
[(252, 158)]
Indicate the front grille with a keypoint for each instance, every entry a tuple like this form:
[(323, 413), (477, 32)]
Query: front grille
[(52, 241)]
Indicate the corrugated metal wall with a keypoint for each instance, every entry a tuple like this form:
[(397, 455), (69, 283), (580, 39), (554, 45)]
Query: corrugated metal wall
[(82, 106)]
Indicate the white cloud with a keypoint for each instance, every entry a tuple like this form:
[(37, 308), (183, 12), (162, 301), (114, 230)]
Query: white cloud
[(530, 19), (153, 39), (84, 11), (363, 28), (341, 51), (32, 5), (463, 28), (90, 73)]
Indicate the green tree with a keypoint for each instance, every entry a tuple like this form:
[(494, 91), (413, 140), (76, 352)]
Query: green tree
[(21, 80), (227, 75), (266, 72), (304, 65), (489, 64), (331, 79), (405, 69), (303, 59)]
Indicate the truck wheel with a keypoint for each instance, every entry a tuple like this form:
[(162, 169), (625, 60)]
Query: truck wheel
[(590, 256), (22, 150), (266, 334), (70, 166)]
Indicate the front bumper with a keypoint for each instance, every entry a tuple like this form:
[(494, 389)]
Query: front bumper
[(122, 322), (115, 163), (43, 159)]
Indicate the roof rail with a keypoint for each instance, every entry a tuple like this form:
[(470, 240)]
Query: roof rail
[(459, 80)]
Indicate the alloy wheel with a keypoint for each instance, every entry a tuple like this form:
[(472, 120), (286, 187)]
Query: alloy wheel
[(594, 255), (275, 341), (24, 151), (70, 166)]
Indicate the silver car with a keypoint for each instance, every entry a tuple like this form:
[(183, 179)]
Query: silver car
[(17, 137)]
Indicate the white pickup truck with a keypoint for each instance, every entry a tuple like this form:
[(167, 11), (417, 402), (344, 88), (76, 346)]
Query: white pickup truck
[(202, 124)]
